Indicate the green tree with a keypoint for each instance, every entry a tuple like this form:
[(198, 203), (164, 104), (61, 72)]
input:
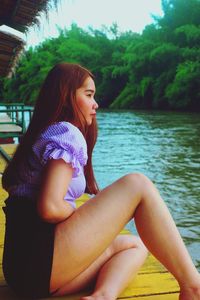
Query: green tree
[(184, 91), (188, 35), (178, 13), (155, 69)]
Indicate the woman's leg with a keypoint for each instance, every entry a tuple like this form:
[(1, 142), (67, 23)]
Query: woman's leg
[(112, 270), (115, 275), (82, 238)]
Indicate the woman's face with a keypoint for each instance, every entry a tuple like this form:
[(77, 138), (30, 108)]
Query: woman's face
[(85, 100)]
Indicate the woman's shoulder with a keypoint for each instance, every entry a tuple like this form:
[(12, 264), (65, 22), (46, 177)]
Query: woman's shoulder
[(61, 128), (61, 136), (62, 140), (63, 132)]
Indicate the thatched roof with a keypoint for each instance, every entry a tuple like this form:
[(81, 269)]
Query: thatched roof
[(10, 48), (18, 14)]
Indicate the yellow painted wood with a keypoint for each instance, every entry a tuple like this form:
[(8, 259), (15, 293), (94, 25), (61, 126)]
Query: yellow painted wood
[(173, 296), (9, 149), (2, 165), (153, 282)]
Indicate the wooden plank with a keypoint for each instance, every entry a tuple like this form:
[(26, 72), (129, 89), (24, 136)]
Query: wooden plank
[(6, 294), (8, 127), (2, 164), (151, 284), (9, 149), (4, 117), (172, 296)]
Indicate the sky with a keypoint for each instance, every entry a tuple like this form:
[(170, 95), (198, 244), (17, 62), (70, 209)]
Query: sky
[(131, 15)]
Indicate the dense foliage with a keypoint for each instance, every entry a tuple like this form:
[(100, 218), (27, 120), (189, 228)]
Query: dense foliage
[(158, 69)]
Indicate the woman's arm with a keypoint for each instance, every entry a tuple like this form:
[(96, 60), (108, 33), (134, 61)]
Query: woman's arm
[(51, 205)]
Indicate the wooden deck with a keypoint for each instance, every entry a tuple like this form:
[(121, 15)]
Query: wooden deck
[(153, 282)]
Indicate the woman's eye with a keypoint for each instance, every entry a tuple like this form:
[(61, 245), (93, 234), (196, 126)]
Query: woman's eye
[(89, 95)]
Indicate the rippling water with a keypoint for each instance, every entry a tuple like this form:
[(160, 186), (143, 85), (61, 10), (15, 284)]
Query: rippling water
[(165, 146)]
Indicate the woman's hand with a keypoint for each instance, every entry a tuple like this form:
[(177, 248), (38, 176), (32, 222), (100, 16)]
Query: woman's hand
[(51, 205)]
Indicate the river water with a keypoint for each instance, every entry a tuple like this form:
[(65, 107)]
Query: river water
[(165, 146)]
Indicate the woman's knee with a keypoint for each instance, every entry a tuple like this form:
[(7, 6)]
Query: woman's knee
[(138, 179), (139, 244), (128, 241), (137, 182)]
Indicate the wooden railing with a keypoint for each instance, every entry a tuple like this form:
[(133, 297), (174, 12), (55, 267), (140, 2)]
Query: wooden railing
[(14, 119)]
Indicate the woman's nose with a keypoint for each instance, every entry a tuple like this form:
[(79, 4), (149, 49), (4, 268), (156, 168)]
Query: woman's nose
[(95, 104)]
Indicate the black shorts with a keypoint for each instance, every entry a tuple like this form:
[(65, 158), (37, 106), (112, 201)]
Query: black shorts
[(28, 249)]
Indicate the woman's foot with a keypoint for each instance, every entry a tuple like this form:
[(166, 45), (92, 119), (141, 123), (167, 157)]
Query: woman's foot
[(190, 292), (190, 295)]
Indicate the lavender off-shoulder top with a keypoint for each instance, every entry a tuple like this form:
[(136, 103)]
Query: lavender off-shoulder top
[(60, 140)]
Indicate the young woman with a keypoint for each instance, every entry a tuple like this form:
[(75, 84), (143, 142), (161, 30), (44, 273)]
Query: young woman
[(52, 248)]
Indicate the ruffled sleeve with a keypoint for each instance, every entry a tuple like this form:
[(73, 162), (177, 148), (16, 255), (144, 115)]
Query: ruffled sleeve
[(62, 141)]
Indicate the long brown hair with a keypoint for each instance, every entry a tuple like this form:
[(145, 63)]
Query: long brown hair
[(56, 102)]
